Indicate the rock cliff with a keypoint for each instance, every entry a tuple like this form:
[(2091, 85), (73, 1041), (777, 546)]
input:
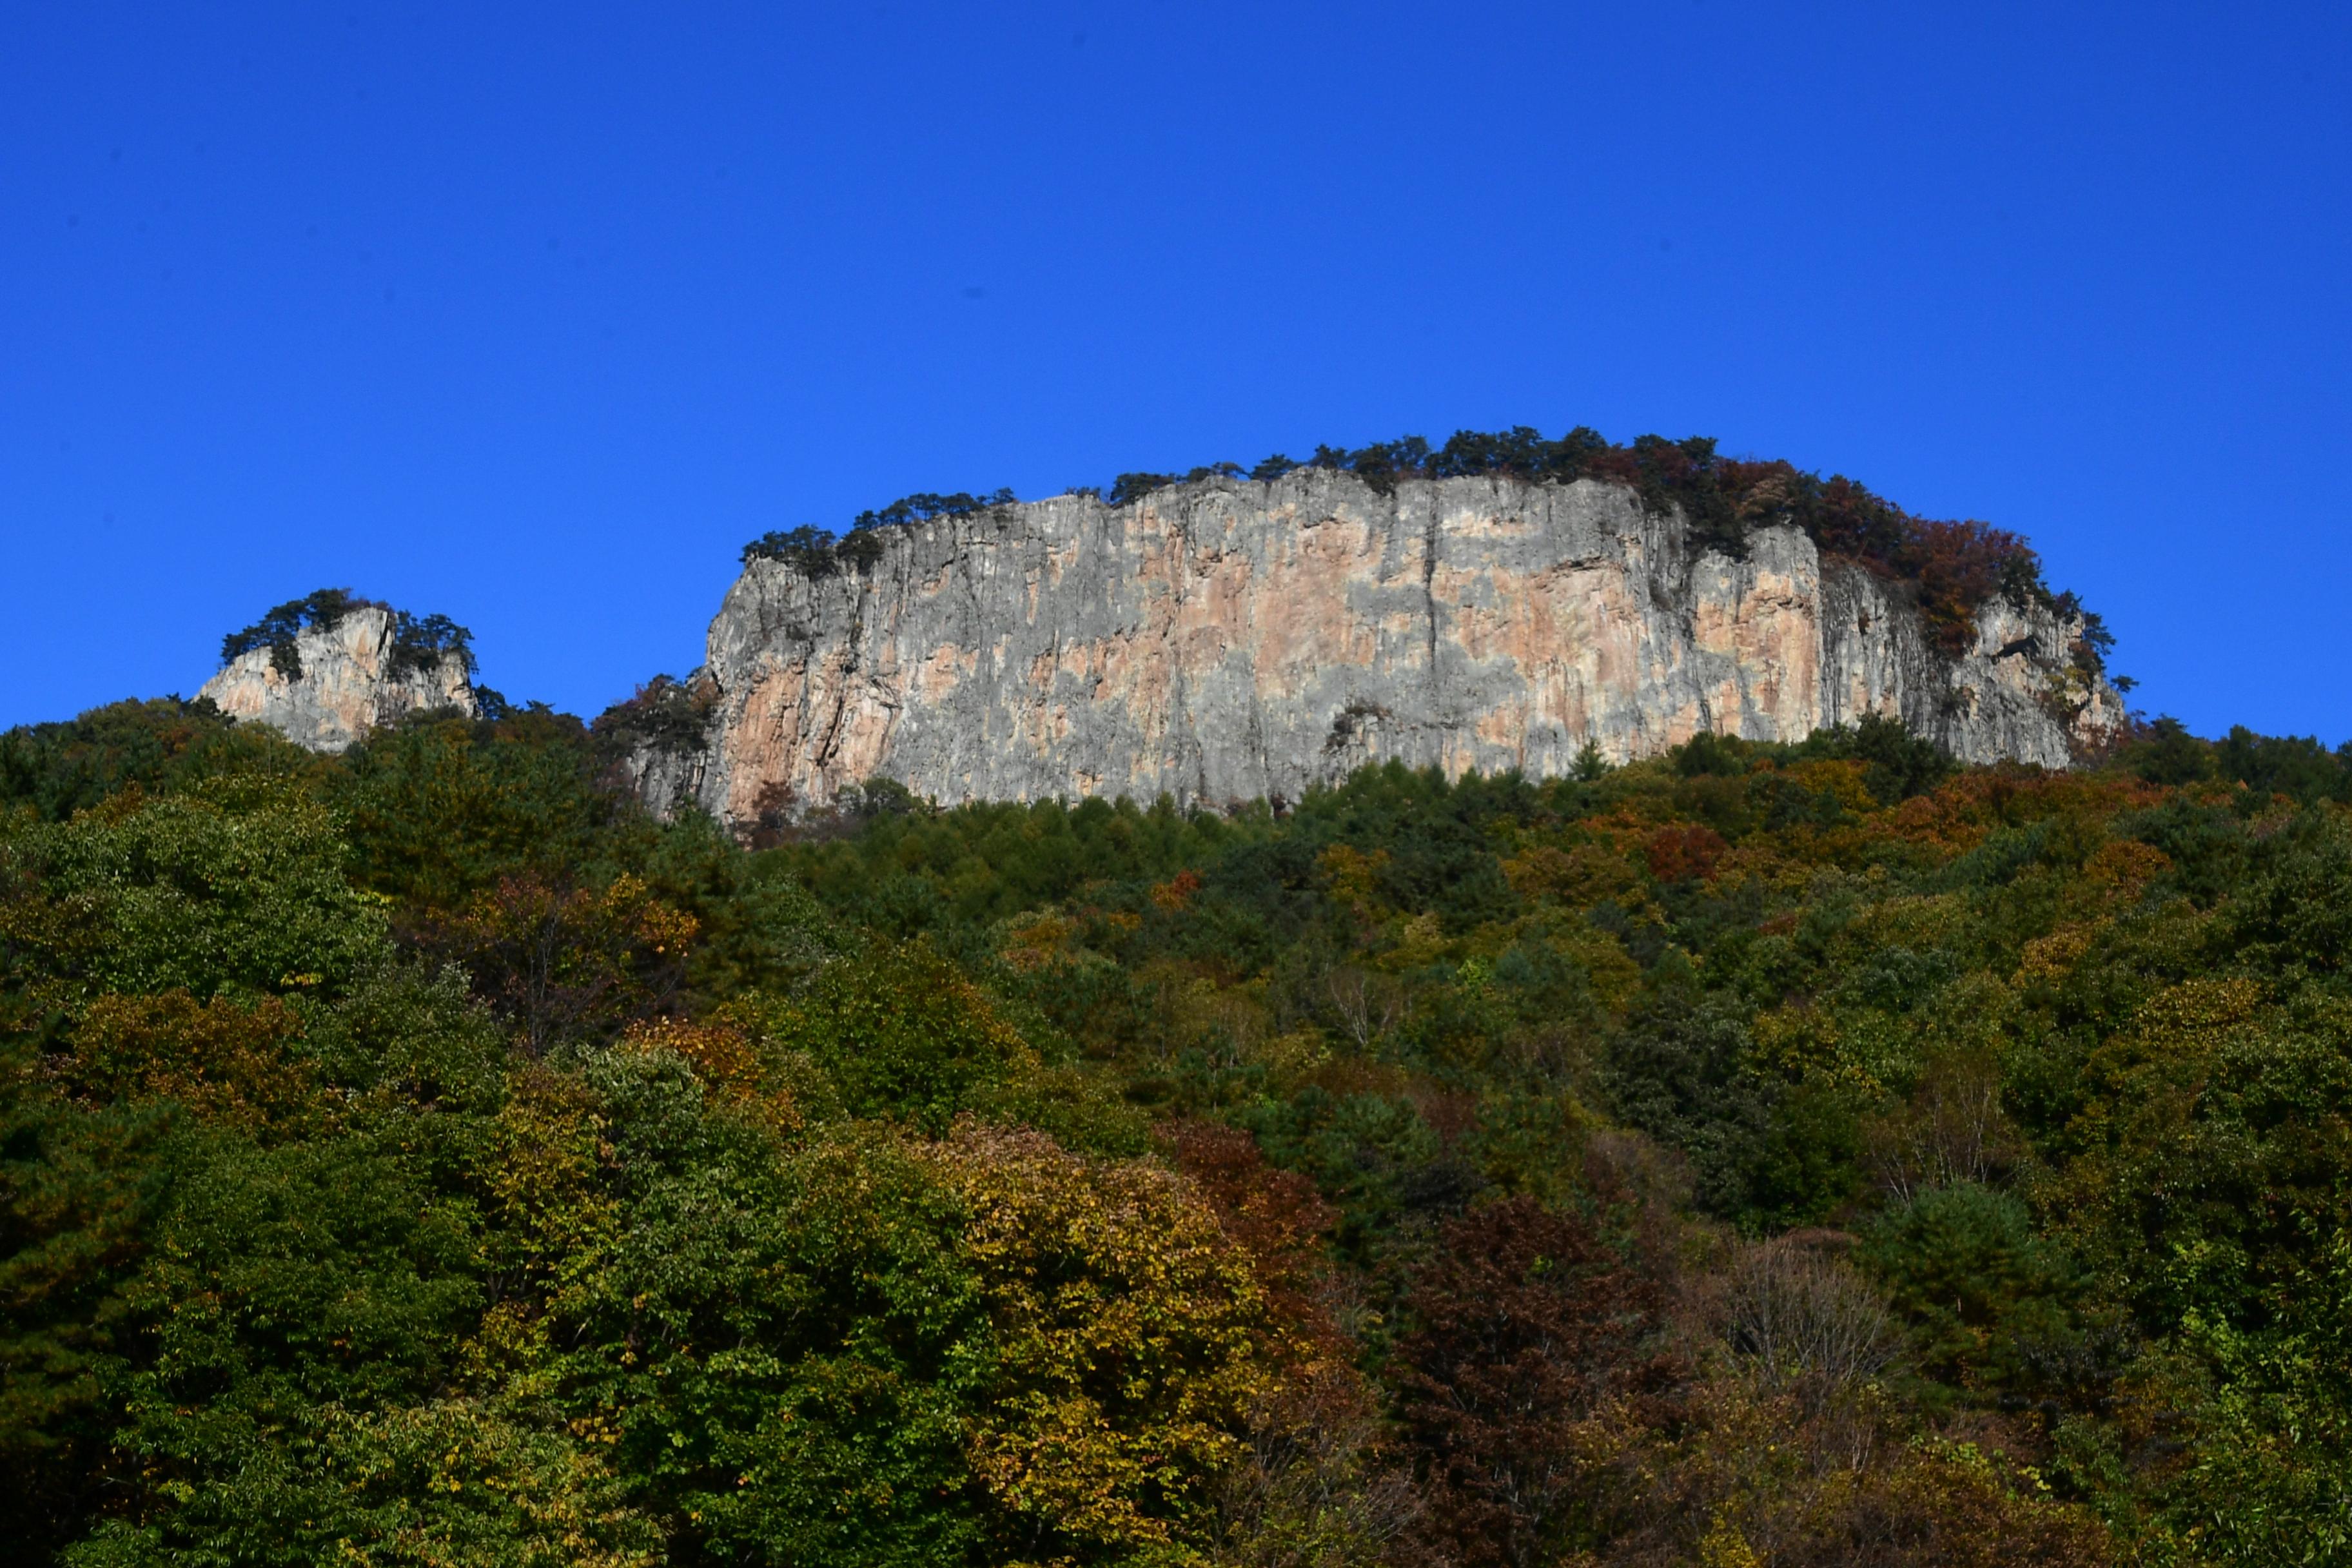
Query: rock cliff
[(1230, 639), (345, 681)]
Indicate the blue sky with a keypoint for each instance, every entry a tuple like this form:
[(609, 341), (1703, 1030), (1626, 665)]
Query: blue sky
[(532, 314)]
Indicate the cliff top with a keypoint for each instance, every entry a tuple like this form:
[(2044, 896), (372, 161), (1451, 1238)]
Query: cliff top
[(1953, 567), (329, 667), (418, 644)]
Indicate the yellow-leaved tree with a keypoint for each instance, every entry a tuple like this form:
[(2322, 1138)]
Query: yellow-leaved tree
[(1131, 1341)]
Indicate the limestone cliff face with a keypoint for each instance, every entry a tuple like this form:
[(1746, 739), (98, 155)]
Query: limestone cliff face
[(1228, 640), (348, 684)]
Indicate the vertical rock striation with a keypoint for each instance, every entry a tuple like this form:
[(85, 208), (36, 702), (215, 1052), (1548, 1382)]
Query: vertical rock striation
[(349, 682), (1226, 640)]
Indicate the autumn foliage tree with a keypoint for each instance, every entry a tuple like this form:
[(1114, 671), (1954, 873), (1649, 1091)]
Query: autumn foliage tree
[(566, 962), (1317, 1482), (1763, 1155), (1528, 1322)]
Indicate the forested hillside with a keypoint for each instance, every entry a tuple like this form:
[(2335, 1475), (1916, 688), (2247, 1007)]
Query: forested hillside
[(1797, 1155)]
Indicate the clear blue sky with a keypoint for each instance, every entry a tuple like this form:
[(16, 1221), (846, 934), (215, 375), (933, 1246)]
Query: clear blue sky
[(532, 314)]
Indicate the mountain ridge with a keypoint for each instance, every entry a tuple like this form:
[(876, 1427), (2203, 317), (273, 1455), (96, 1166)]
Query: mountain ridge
[(1222, 638)]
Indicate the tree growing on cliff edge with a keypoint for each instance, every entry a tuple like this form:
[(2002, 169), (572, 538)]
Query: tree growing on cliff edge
[(321, 610), (418, 643), (1953, 567)]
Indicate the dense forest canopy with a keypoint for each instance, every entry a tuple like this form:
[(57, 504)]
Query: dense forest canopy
[(1794, 1155), (1954, 567)]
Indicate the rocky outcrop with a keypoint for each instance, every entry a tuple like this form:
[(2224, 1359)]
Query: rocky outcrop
[(1228, 639), (346, 679)]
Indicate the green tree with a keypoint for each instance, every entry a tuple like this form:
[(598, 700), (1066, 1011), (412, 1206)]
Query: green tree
[(235, 886)]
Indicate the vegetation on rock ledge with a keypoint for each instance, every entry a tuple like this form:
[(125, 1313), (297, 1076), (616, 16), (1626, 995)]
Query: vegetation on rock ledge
[(418, 643), (1952, 567)]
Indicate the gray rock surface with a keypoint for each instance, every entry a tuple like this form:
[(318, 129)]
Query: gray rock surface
[(347, 686), (1229, 639)]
